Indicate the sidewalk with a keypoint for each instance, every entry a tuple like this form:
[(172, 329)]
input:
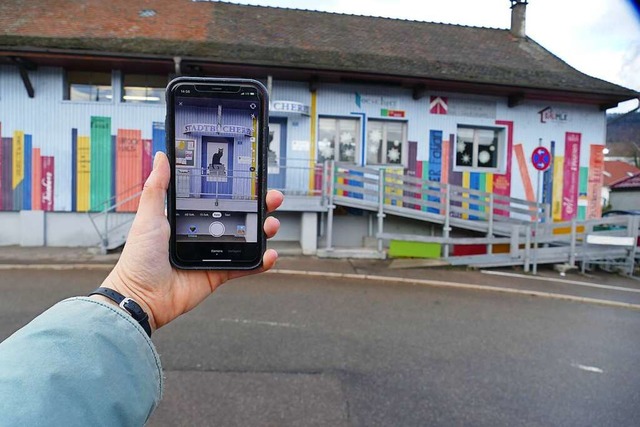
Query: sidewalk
[(599, 285)]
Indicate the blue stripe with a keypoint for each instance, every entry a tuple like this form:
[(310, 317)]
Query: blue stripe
[(26, 182), (435, 164), (74, 169)]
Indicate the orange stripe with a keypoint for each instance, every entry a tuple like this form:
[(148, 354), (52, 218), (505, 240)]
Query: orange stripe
[(524, 173)]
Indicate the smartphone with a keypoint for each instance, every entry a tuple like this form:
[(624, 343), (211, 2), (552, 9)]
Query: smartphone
[(216, 132)]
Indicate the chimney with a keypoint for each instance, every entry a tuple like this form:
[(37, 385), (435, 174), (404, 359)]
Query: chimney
[(518, 18)]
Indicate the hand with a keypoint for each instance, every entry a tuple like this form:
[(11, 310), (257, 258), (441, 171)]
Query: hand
[(143, 271)]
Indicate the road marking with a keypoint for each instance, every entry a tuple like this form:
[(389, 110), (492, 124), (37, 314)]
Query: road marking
[(458, 285), (593, 369), (262, 322), (570, 282)]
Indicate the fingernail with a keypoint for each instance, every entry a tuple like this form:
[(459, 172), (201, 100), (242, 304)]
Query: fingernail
[(156, 160)]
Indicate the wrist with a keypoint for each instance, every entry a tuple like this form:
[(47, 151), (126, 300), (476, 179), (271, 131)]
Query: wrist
[(127, 304)]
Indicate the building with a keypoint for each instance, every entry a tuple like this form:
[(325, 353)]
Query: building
[(616, 172), (82, 109)]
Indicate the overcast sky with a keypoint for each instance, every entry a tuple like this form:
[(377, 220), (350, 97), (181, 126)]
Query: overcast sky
[(598, 37)]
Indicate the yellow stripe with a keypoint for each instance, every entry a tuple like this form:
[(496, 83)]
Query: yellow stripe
[(312, 140), (18, 158), (558, 172), (466, 183), (83, 168), (489, 183)]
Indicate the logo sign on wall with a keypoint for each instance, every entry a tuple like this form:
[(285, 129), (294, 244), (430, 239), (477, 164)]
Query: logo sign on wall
[(548, 114), (541, 159)]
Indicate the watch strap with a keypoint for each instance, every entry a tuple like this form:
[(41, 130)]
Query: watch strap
[(127, 304)]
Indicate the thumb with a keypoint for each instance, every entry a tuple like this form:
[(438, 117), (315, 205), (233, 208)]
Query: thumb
[(155, 188)]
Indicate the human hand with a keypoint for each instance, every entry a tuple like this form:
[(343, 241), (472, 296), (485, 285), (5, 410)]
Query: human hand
[(143, 271)]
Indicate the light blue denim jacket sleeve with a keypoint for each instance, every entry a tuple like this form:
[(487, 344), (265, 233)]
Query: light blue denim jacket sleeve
[(80, 363)]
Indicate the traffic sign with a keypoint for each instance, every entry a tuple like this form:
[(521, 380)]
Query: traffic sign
[(541, 158)]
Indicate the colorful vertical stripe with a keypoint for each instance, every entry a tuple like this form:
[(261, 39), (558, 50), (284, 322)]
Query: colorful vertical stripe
[(524, 173), (158, 135), (435, 164), (502, 182), (36, 179), (18, 169), (7, 174), (26, 181), (582, 193), (571, 174), (83, 179), (102, 163), (74, 169), (47, 183), (128, 169), (558, 172), (596, 172)]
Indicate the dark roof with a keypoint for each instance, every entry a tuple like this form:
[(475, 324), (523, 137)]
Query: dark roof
[(616, 171), (632, 182), (227, 33)]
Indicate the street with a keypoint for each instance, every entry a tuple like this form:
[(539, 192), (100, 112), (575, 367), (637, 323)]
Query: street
[(288, 350)]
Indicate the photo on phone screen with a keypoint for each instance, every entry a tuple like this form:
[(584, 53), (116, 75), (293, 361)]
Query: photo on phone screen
[(217, 187)]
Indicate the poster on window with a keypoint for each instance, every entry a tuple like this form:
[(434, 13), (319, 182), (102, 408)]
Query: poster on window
[(217, 161), (185, 152), (273, 153)]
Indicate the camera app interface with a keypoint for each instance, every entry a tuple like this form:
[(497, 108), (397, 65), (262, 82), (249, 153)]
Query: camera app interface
[(216, 171)]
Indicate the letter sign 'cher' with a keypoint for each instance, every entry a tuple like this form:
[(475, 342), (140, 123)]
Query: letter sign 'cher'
[(541, 158)]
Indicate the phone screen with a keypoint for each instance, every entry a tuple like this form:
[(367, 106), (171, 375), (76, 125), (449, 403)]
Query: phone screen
[(217, 186)]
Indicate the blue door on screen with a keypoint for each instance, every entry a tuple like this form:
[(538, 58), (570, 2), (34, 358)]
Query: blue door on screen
[(217, 168)]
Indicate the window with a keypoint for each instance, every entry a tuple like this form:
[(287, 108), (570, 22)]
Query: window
[(144, 88), (385, 142), (88, 86), (337, 139), (479, 148)]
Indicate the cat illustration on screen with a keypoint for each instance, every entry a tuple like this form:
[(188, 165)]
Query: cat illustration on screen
[(215, 159)]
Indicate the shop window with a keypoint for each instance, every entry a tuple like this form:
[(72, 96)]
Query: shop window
[(337, 139), (88, 86), (386, 142), (144, 88), (479, 148)]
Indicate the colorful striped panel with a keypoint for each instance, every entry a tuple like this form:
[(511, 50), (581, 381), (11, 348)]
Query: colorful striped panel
[(102, 163), (36, 180), (26, 182), (18, 169)]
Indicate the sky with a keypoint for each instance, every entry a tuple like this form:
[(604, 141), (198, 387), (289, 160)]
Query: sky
[(600, 38)]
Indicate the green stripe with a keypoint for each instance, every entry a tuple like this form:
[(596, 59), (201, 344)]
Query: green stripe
[(101, 163)]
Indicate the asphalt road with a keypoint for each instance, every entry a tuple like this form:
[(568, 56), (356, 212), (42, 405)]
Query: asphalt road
[(283, 350)]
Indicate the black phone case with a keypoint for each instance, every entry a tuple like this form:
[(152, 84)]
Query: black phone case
[(261, 165)]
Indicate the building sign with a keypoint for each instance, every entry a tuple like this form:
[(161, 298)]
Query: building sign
[(571, 175), (218, 128), (363, 101), (391, 113), (548, 114), (289, 107), (472, 108), (438, 105)]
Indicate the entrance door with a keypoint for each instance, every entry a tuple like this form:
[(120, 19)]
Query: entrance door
[(276, 165), (217, 168)]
